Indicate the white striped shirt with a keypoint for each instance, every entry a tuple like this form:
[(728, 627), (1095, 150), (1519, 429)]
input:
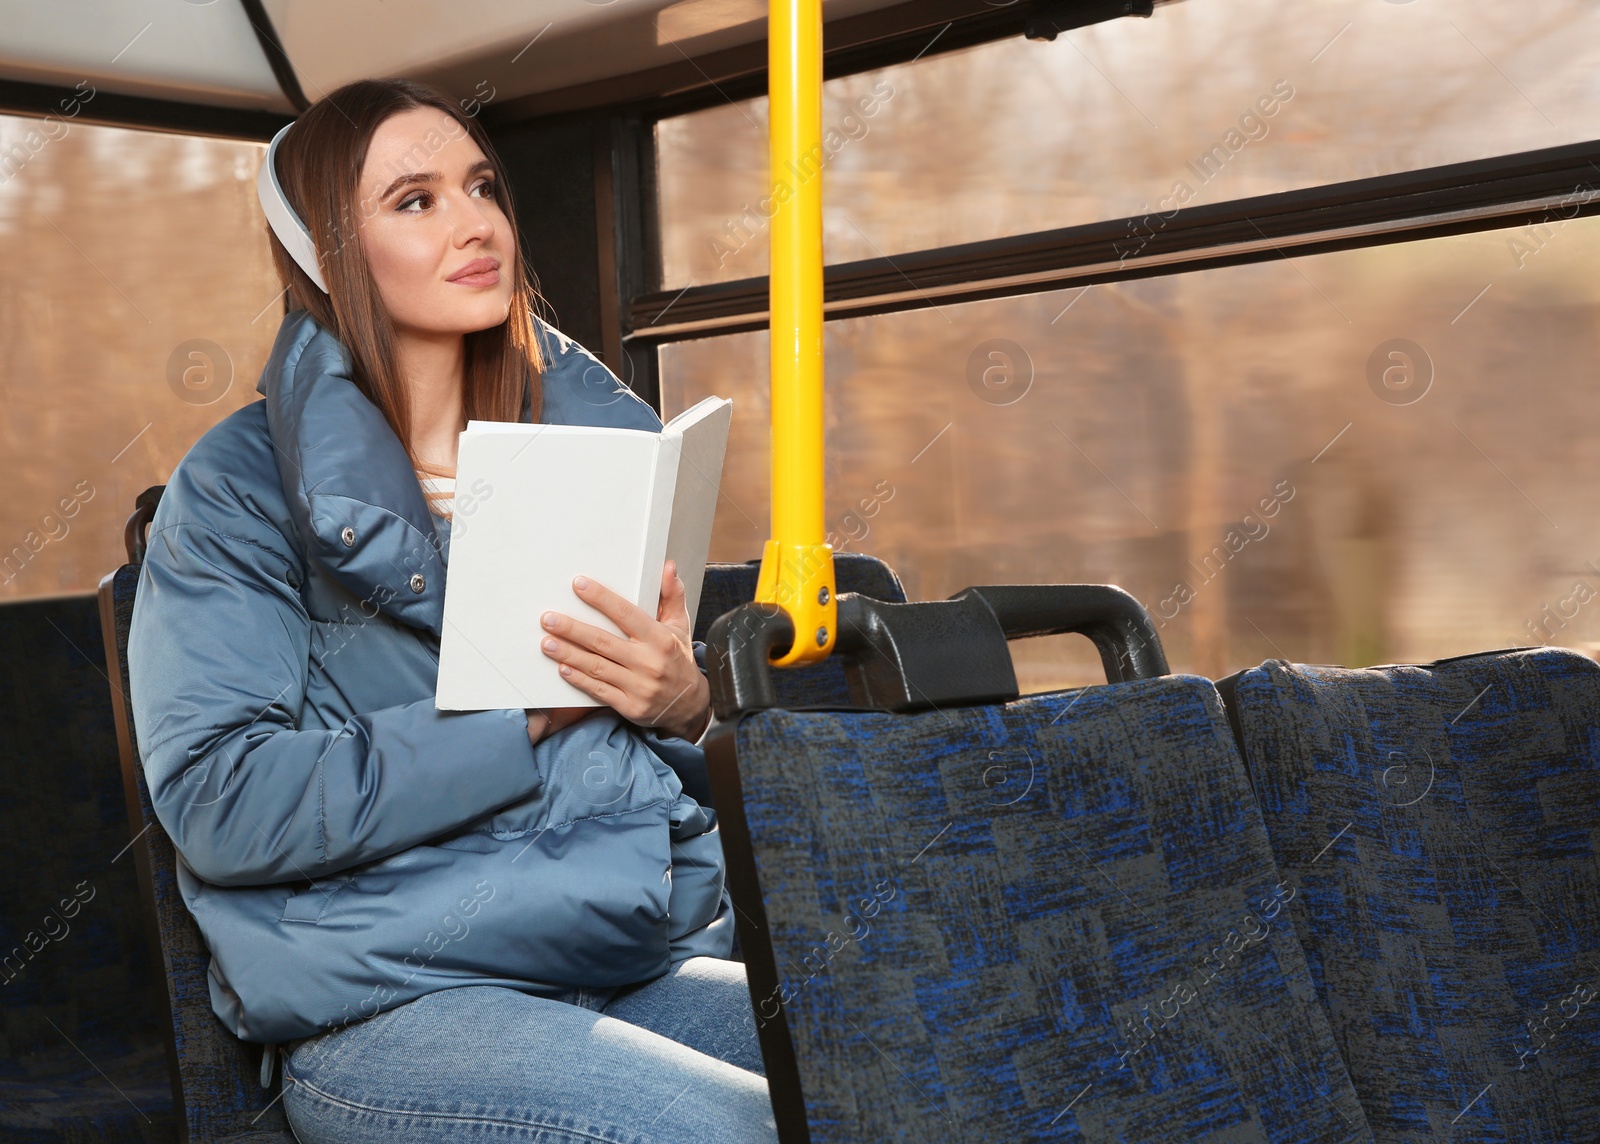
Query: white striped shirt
[(439, 488)]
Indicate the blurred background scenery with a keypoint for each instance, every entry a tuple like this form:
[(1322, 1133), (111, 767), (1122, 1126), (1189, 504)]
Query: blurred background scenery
[(1370, 456)]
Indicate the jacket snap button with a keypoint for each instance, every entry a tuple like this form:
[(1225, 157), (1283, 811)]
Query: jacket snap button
[(348, 535), (417, 582)]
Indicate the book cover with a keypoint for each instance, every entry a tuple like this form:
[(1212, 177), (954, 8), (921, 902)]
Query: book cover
[(550, 502)]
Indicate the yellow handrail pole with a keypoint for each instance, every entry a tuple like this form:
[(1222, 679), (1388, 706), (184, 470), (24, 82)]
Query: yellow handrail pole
[(796, 563)]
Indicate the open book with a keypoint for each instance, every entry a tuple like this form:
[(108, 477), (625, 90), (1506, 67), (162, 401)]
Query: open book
[(537, 505)]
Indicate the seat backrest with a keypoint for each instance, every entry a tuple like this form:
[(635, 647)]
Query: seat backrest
[(727, 586), (80, 985), (215, 1076), (1440, 822), (1054, 917)]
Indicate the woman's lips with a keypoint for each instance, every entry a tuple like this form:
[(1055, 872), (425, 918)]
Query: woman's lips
[(478, 272)]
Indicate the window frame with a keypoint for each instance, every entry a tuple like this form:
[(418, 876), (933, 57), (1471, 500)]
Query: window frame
[(1519, 189)]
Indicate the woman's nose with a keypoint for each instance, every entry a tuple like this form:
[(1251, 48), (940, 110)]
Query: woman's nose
[(473, 220)]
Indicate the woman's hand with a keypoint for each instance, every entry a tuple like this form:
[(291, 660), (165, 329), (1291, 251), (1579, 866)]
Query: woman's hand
[(649, 675), (543, 721)]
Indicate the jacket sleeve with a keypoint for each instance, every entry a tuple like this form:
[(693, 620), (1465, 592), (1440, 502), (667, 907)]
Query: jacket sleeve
[(700, 662), (218, 660)]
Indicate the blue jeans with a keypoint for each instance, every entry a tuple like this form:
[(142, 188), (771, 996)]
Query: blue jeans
[(670, 1061)]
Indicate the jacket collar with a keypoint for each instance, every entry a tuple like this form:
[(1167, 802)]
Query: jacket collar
[(351, 491), (343, 467)]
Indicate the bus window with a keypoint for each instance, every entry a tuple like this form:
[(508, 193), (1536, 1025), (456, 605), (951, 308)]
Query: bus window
[(138, 304), (1208, 102), (1374, 455)]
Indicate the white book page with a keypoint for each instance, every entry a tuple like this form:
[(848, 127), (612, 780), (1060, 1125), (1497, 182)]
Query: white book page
[(660, 496), (698, 438), (561, 501)]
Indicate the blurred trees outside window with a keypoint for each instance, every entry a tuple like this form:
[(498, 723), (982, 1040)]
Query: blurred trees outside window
[(1368, 456), (138, 304)]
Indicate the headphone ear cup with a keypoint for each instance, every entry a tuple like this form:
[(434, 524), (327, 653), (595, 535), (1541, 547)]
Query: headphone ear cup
[(294, 235)]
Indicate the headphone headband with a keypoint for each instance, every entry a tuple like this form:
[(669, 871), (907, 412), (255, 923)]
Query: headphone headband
[(285, 223)]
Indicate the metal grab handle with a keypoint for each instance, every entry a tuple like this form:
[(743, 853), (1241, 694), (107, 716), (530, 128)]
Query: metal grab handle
[(797, 562), (739, 647), (906, 657)]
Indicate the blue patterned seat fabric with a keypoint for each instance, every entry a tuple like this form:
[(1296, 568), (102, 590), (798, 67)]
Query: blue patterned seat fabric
[(1440, 823), (1052, 919)]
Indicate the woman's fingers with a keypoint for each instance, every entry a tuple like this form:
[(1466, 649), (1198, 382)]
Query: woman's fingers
[(673, 611), (566, 716), (630, 617), (594, 682), (596, 675), (646, 642), (567, 632), (648, 700), (648, 676)]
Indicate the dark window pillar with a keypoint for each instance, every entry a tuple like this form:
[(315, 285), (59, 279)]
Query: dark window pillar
[(585, 200)]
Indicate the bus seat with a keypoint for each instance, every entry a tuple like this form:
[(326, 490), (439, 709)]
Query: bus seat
[(1439, 822), (81, 1051), (967, 915), (726, 586), (215, 1077)]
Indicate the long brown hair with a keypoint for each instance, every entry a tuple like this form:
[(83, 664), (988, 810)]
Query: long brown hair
[(319, 165)]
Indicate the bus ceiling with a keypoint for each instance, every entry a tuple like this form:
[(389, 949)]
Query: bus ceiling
[(243, 68)]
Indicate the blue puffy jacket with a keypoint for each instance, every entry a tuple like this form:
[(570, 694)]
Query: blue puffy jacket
[(344, 846)]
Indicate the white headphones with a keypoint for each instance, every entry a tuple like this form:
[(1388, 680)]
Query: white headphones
[(285, 223)]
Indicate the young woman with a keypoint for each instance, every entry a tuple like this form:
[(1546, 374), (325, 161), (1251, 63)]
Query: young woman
[(499, 924)]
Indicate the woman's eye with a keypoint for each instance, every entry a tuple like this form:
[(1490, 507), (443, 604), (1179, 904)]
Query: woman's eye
[(423, 197)]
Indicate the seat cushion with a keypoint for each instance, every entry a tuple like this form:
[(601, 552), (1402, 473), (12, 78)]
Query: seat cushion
[(1441, 823), (1031, 921)]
